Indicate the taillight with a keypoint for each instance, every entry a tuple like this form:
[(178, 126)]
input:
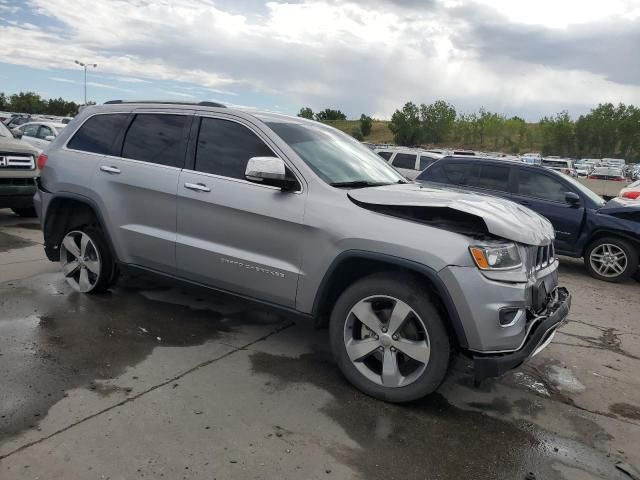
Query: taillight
[(42, 161), (591, 177), (631, 195), (618, 179)]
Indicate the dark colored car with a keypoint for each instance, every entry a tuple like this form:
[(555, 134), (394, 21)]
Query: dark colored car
[(607, 235)]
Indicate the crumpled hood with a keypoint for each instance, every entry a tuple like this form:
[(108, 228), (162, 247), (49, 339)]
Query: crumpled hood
[(12, 145), (503, 218)]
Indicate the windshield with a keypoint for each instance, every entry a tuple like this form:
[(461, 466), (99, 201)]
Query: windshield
[(587, 192), (4, 131), (334, 156)]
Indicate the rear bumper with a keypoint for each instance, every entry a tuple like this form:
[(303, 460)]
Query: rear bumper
[(540, 335)]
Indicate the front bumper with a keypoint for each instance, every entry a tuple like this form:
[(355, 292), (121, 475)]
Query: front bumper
[(16, 193), (538, 337)]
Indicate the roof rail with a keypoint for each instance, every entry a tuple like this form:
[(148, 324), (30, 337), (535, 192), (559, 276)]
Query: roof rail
[(167, 102)]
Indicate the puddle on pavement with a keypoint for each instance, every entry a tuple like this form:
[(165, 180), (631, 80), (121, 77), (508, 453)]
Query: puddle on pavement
[(12, 242), (431, 438), (53, 340)]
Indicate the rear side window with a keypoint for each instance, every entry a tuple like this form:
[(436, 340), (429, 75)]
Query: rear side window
[(385, 155), (225, 147), (491, 177), (97, 134), (405, 160), (44, 132), (157, 138), (539, 185)]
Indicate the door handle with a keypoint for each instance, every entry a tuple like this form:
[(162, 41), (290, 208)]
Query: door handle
[(198, 187), (114, 170), (524, 202)]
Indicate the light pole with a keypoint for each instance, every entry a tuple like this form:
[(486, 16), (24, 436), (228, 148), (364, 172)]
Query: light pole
[(84, 66)]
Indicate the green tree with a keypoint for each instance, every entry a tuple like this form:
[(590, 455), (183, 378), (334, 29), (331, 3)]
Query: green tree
[(27, 102), (366, 123), (357, 134), (558, 135), (330, 114), (437, 121), (306, 112), (405, 125)]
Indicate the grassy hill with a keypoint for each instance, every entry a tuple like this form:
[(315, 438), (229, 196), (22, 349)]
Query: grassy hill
[(380, 133)]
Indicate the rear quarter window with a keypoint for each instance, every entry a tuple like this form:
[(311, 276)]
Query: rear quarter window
[(98, 133)]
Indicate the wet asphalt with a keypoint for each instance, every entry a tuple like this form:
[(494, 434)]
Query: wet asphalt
[(160, 380)]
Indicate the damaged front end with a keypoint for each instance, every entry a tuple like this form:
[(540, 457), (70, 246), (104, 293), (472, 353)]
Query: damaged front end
[(507, 298), (540, 327)]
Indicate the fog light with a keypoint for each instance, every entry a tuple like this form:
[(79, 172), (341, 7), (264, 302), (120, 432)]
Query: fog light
[(509, 316)]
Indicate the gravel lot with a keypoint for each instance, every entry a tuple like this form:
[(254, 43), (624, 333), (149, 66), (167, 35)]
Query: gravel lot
[(159, 381)]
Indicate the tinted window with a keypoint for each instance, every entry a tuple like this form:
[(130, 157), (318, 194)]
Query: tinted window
[(98, 133), (425, 162), (447, 172), (405, 160), (225, 147), (492, 177), (537, 185), (157, 138), (385, 155)]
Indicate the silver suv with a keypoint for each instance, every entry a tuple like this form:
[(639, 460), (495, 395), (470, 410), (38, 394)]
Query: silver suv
[(295, 214)]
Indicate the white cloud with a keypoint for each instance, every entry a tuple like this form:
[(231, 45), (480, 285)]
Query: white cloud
[(357, 56)]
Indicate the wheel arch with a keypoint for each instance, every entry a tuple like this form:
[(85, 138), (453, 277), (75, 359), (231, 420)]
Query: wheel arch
[(353, 265), (67, 211)]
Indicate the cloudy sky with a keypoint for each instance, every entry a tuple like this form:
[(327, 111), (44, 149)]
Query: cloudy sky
[(525, 57)]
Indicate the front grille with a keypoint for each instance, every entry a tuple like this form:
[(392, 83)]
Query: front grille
[(545, 256), (17, 182), (17, 162)]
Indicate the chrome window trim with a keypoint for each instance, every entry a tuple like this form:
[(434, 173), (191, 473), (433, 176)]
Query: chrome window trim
[(240, 180)]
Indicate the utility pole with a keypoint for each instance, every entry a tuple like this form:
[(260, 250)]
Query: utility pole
[(84, 66)]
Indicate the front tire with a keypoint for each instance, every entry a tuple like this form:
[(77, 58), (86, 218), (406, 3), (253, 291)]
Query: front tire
[(389, 339), (86, 260), (611, 259)]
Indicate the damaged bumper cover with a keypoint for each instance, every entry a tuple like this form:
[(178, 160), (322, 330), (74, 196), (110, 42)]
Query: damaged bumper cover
[(539, 336)]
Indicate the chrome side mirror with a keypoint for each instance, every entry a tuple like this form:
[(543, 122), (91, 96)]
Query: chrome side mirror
[(49, 138), (269, 171)]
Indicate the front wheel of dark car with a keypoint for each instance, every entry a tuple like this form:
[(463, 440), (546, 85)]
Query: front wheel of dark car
[(611, 259), (389, 339), (86, 260)]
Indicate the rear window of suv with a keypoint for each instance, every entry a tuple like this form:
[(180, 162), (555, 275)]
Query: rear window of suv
[(97, 134)]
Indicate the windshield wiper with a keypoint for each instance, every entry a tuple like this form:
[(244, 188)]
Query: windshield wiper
[(358, 184)]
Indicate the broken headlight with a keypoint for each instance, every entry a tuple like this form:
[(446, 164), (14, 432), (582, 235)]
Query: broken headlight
[(496, 257)]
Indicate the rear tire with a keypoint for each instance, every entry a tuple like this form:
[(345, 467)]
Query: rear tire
[(611, 259), (27, 212), (86, 260), (401, 319)]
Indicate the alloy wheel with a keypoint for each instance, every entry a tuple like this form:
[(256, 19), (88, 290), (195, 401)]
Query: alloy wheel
[(387, 341), (608, 260), (80, 261)]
